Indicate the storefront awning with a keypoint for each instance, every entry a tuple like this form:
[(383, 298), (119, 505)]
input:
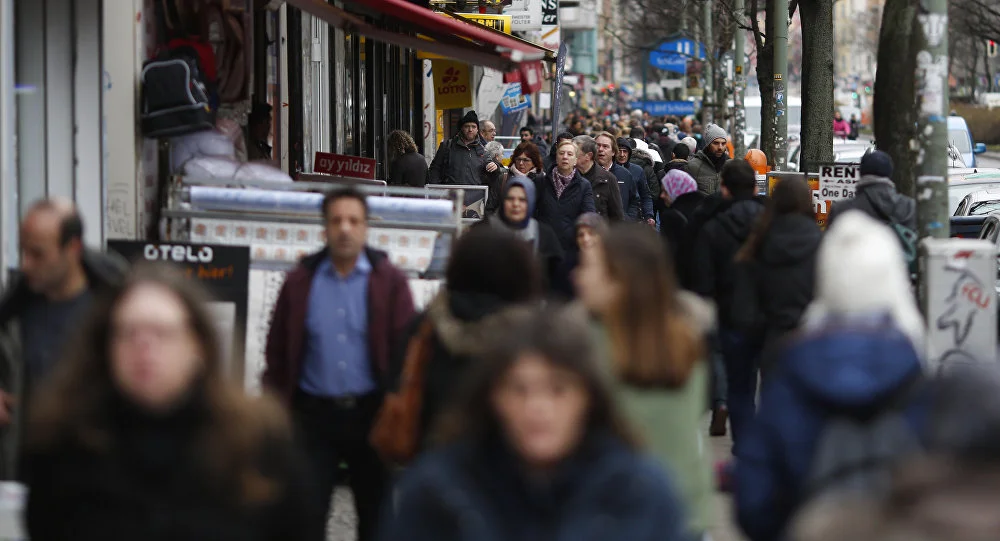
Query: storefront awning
[(452, 38)]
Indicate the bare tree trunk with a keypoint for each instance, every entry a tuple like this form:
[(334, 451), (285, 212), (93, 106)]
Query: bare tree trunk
[(895, 94), (765, 70), (817, 83)]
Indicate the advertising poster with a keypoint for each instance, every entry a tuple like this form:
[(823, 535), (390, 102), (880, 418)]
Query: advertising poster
[(225, 272), (837, 181), (452, 84), (820, 205)]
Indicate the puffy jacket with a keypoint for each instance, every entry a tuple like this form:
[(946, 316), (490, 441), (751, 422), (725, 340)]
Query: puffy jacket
[(644, 160), (607, 196), (781, 276), (560, 213), (457, 163), (700, 167), (826, 372), (478, 491), (877, 197), (718, 241)]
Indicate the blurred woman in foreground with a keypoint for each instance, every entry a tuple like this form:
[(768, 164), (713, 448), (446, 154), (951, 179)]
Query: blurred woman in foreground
[(140, 436), (536, 450), (652, 335)]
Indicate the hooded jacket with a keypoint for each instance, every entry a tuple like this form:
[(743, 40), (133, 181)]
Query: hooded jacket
[(457, 162), (463, 322), (849, 370), (728, 225), (782, 275), (644, 160), (877, 197), (701, 167)]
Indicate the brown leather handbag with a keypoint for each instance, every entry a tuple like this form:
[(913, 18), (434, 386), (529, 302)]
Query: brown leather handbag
[(395, 436)]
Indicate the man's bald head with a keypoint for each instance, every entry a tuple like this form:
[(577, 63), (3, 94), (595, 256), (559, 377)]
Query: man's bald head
[(488, 129), (51, 245), (64, 211)]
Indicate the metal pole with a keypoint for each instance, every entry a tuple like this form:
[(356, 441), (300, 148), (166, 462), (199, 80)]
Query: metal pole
[(780, 94), (739, 82), (707, 95), (645, 70), (932, 95)]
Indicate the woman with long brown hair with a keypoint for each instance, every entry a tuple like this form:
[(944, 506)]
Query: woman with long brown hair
[(653, 335), (405, 166), (140, 435), (535, 448), (776, 267)]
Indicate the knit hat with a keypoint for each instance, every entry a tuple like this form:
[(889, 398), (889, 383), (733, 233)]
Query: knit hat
[(470, 118), (677, 183), (592, 220), (876, 163), (713, 132), (691, 143)]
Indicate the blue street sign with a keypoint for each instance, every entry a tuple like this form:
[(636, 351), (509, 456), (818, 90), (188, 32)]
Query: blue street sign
[(513, 101), (663, 108), (673, 55)]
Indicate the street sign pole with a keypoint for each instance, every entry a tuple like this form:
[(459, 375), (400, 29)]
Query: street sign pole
[(739, 83), (780, 90), (932, 121), (709, 59)]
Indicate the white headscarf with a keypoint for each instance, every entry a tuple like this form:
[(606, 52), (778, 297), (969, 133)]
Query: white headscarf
[(861, 272)]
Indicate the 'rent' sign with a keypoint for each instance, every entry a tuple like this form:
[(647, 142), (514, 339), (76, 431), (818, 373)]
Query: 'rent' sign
[(837, 180), (340, 165)]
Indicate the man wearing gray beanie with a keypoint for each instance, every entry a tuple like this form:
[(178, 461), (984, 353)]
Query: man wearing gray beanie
[(706, 165)]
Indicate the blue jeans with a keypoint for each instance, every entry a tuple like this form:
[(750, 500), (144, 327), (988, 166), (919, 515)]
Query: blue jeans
[(740, 356)]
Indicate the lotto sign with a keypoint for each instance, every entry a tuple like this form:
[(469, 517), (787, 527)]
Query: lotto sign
[(837, 180), (452, 86), (821, 207)]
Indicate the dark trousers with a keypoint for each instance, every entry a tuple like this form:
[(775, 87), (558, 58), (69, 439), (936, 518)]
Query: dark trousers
[(335, 431), (740, 356)]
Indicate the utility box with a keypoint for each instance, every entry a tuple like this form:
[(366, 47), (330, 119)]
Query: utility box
[(960, 301)]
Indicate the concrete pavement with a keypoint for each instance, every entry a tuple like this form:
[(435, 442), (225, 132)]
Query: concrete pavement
[(343, 523)]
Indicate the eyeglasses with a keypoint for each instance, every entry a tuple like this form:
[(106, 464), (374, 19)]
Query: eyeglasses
[(522, 160)]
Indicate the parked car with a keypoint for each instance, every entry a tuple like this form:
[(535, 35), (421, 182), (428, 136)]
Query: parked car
[(960, 137), (843, 152), (963, 182), (979, 203)]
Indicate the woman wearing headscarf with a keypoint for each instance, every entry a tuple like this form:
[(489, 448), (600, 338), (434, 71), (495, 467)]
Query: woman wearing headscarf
[(681, 196), (515, 216)]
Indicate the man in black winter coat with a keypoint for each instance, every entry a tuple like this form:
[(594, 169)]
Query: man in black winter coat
[(729, 218), (460, 160), (876, 195), (607, 196)]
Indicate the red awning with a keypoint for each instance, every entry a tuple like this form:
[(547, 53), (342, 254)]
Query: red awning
[(453, 38)]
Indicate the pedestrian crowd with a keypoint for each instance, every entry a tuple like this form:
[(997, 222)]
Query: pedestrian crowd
[(554, 389)]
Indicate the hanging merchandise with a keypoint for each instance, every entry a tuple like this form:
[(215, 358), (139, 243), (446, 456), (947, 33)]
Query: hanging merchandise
[(175, 91)]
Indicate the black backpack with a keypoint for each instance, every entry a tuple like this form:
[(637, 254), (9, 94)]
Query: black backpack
[(176, 96)]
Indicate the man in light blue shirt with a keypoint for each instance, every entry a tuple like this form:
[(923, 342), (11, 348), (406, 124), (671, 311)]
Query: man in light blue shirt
[(341, 316)]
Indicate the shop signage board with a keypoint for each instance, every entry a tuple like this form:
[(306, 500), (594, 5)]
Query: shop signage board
[(340, 165), (821, 207), (452, 84), (526, 16), (550, 24), (513, 101), (225, 273), (837, 181), (500, 23)]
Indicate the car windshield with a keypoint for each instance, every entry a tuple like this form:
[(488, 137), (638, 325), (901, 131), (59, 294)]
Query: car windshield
[(957, 192), (960, 138), (983, 208)]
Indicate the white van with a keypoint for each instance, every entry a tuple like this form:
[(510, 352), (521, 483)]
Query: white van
[(752, 106), (960, 136)]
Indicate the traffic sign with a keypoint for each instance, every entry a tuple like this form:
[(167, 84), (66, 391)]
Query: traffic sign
[(673, 55), (662, 108), (991, 48)]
